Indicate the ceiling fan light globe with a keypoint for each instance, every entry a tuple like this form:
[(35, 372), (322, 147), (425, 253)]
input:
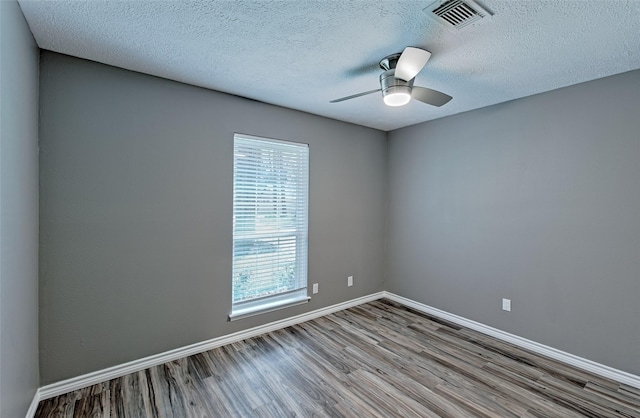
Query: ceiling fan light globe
[(397, 95), (397, 99)]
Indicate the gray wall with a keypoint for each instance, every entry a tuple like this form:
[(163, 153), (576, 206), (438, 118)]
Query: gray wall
[(18, 213), (136, 210), (536, 200)]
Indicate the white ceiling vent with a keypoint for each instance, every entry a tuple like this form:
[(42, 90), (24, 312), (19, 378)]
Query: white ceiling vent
[(456, 13)]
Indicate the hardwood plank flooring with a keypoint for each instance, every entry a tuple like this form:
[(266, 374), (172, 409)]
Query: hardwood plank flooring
[(380, 359)]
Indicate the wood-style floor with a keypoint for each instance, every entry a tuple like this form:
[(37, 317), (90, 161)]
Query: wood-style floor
[(375, 360)]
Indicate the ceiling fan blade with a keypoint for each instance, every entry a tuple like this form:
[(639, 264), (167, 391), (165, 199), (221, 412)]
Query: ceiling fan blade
[(411, 62), (428, 96), (342, 99)]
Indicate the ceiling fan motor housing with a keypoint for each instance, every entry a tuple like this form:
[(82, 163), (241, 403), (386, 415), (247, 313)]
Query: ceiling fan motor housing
[(392, 86)]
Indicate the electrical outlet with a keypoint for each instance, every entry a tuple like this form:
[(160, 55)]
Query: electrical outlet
[(315, 288), (350, 281), (506, 305)]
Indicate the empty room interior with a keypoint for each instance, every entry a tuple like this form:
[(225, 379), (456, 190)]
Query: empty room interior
[(320, 208)]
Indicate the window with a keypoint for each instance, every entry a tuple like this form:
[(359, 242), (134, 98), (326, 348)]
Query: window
[(270, 212)]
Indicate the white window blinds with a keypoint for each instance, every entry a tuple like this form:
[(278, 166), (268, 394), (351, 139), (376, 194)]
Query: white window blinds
[(270, 212)]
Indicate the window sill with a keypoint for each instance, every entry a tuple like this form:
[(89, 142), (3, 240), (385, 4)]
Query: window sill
[(241, 313)]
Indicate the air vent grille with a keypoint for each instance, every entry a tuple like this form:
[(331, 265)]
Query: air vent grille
[(456, 13)]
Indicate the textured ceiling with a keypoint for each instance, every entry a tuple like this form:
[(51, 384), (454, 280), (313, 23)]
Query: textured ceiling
[(302, 54)]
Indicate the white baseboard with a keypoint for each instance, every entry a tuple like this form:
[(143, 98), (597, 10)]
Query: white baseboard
[(33, 407), (579, 362), (79, 382)]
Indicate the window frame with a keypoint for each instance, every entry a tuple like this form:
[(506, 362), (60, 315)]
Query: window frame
[(281, 300)]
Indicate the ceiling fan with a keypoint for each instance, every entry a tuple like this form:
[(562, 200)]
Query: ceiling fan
[(396, 82)]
